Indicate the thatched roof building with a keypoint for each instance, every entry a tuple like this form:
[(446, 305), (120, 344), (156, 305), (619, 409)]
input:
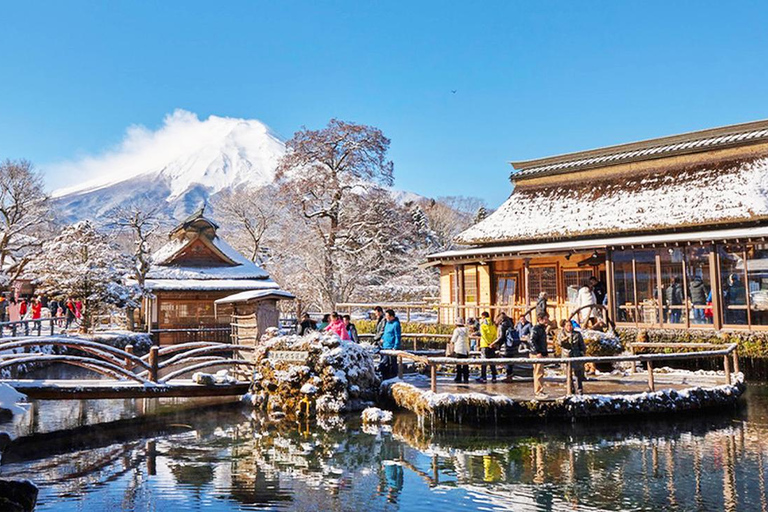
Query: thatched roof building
[(706, 189)]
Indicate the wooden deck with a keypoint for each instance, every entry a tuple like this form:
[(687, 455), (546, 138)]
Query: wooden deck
[(96, 389), (604, 384)]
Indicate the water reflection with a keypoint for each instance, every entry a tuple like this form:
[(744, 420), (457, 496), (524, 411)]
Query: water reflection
[(233, 460)]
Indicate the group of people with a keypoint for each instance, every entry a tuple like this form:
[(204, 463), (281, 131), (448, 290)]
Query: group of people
[(35, 308), (332, 322), (501, 338)]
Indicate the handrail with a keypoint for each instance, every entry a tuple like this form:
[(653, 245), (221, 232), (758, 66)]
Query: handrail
[(75, 343), (32, 320), (38, 322), (192, 329), (102, 367), (731, 351)]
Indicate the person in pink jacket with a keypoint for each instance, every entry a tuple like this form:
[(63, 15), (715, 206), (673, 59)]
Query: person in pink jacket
[(337, 327)]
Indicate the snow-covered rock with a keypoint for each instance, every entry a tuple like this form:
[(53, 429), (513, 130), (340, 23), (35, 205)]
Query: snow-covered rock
[(336, 376), (376, 415)]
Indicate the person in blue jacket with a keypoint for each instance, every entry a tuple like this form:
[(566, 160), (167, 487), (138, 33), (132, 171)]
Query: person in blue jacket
[(390, 340)]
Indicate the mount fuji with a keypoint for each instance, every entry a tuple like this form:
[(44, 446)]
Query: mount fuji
[(181, 164)]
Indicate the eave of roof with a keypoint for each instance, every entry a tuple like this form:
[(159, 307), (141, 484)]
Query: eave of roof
[(478, 253), (686, 143)]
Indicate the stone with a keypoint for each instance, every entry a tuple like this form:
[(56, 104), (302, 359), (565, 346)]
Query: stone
[(17, 495)]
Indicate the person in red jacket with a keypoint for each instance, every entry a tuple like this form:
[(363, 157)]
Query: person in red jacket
[(37, 309), (22, 309)]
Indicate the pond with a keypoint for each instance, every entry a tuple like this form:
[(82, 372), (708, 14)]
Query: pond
[(226, 458)]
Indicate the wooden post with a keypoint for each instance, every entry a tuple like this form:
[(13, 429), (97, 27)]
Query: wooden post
[(13, 330), (1, 330), (651, 384), (128, 363), (26, 328), (433, 377), (727, 367), (407, 313), (39, 327), (568, 379), (415, 341), (736, 361), (716, 286), (399, 366), (631, 350), (153, 361), (52, 326)]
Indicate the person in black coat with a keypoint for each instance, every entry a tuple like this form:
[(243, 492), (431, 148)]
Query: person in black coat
[(539, 350), (307, 325)]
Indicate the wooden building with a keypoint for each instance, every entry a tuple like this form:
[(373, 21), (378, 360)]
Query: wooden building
[(684, 216), (194, 269)]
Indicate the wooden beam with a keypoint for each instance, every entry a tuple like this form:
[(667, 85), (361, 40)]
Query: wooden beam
[(120, 390)]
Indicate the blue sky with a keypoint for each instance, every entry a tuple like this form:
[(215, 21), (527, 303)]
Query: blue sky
[(532, 79)]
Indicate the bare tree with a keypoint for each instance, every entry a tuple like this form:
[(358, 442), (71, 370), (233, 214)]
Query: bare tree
[(24, 217), (449, 216), (141, 221), (319, 175), (247, 214)]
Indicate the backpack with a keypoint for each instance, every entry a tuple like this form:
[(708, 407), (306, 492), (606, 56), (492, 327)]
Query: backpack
[(511, 342)]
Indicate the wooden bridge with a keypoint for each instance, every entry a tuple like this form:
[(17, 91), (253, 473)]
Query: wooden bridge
[(156, 374)]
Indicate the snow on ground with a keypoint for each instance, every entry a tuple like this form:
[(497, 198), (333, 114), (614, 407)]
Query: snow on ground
[(10, 398)]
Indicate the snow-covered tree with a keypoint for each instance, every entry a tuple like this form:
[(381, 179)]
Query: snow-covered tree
[(449, 216), (24, 217), (322, 175), (85, 264), (246, 214), (481, 214)]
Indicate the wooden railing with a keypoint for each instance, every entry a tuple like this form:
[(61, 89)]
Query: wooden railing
[(30, 327), (399, 307), (729, 355), (414, 338)]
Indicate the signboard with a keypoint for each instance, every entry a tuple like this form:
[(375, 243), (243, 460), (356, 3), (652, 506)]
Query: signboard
[(292, 356)]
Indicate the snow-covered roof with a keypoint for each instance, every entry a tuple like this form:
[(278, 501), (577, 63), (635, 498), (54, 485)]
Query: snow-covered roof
[(696, 196), (210, 284), (685, 143), (746, 233), (256, 295)]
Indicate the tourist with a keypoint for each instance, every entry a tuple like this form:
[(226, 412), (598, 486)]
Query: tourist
[(53, 306), (538, 351), (78, 309), (351, 329), (3, 309), (523, 328), (37, 309), (697, 292), (337, 327), (674, 297), (734, 294), (307, 325), (598, 288), (70, 313), (378, 332), (507, 341), (487, 338), (22, 309), (573, 342), (473, 328), (459, 348), (391, 339), (585, 297), (541, 305), (324, 322)]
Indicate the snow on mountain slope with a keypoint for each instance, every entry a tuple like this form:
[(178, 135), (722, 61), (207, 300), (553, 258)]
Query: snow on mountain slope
[(182, 163)]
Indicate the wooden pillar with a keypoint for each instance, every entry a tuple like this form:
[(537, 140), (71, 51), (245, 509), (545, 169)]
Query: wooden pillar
[(153, 363), (736, 361), (568, 379), (128, 362), (727, 368), (716, 287), (651, 384), (636, 306), (659, 292), (433, 377), (52, 326), (686, 312), (609, 285), (399, 366), (526, 283)]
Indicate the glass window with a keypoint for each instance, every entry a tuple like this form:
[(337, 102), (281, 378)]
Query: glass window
[(734, 292), (757, 279), (506, 289), (624, 285), (470, 284), (699, 284), (543, 279), (647, 286), (573, 279), (673, 290)]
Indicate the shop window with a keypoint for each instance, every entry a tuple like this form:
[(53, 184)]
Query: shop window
[(757, 283), (624, 286), (699, 284), (734, 292), (673, 292), (506, 289), (647, 286), (543, 279)]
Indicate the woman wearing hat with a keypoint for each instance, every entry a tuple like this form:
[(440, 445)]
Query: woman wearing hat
[(460, 345)]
